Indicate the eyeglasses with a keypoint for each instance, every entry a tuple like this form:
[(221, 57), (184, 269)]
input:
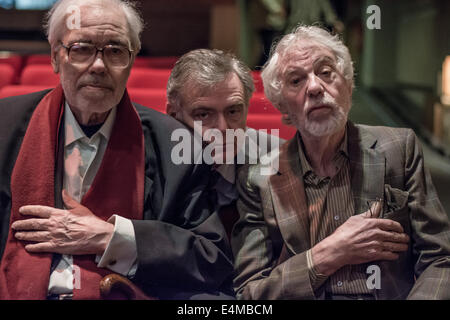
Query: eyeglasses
[(83, 53)]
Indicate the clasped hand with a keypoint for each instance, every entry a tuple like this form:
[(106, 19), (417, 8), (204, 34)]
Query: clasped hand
[(74, 231), (362, 238)]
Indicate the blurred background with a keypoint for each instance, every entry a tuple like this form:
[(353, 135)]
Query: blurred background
[(401, 55)]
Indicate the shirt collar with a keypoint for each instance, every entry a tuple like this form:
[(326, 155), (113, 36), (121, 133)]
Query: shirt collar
[(74, 132), (306, 167)]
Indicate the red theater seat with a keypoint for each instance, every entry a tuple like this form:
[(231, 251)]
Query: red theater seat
[(260, 105), (41, 75), (141, 62), (257, 80), (39, 59), (155, 62), (17, 90), (152, 98), (162, 62), (7, 74), (16, 62), (270, 121), (148, 78)]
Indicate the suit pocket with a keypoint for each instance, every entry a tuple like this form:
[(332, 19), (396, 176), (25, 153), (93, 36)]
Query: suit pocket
[(396, 206)]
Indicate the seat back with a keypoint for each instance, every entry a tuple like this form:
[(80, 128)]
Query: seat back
[(17, 90), (152, 98), (257, 80), (39, 59), (6, 74), (16, 62), (269, 122), (155, 62), (38, 74), (259, 104), (148, 78)]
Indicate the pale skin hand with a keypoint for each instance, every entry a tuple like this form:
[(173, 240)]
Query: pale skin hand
[(73, 231), (360, 239)]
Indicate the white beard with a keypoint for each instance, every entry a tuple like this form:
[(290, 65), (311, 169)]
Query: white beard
[(323, 127), (329, 126)]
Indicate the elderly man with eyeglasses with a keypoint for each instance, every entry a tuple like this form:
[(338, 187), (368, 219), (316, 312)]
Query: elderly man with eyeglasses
[(87, 183)]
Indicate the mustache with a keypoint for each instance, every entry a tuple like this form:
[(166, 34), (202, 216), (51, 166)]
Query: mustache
[(95, 82), (324, 101)]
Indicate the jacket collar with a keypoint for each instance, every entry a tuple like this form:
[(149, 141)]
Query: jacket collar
[(367, 168)]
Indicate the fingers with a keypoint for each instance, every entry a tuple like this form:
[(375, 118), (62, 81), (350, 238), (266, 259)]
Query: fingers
[(69, 202), (41, 247), (388, 225), (36, 210), (378, 250), (394, 246), (389, 236), (30, 224), (34, 236)]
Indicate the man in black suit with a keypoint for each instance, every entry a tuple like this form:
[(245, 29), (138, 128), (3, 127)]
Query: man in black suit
[(88, 186), (210, 91)]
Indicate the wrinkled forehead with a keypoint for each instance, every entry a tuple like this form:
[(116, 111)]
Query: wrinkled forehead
[(304, 55), (97, 22), (231, 85)]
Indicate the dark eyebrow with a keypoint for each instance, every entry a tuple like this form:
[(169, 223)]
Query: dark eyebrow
[(202, 108), (236, 105)]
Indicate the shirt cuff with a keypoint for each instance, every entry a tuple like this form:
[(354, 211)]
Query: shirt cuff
[(317, 279), (120, 255)]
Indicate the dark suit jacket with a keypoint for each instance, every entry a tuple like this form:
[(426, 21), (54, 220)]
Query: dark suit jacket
[(182, 248), (272, 236)]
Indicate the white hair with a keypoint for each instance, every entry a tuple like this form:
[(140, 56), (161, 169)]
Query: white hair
[(271, 70), (55, 18)]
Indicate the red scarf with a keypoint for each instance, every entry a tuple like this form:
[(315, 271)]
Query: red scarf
[(118, 188)]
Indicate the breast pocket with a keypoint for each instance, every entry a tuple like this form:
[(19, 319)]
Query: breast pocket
[(396, 206)]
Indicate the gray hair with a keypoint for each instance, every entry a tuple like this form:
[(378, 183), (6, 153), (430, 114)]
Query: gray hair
[(206, 68), (55, 18), (271, 70)]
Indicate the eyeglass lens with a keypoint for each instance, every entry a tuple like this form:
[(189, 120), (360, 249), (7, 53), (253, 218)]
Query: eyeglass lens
[(114, 55)]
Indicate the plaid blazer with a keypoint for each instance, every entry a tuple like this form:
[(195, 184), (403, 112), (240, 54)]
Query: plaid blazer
[(271, 238)]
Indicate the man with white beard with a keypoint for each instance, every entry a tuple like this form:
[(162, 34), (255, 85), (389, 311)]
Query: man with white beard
[(351, 212)]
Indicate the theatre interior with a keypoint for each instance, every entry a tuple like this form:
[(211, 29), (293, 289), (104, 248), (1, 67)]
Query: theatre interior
[(400, 49)]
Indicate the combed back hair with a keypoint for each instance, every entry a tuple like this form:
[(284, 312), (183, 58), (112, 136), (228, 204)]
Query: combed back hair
[(203, 69), (54, 23), (271, 73)]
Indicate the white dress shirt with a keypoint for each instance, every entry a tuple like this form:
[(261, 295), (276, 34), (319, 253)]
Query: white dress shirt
[(82, 159)]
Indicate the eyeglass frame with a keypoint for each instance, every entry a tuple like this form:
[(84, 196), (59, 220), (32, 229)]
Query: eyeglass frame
[(68, 47)]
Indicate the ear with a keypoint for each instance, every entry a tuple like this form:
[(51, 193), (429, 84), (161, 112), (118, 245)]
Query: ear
[(55, 60)]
